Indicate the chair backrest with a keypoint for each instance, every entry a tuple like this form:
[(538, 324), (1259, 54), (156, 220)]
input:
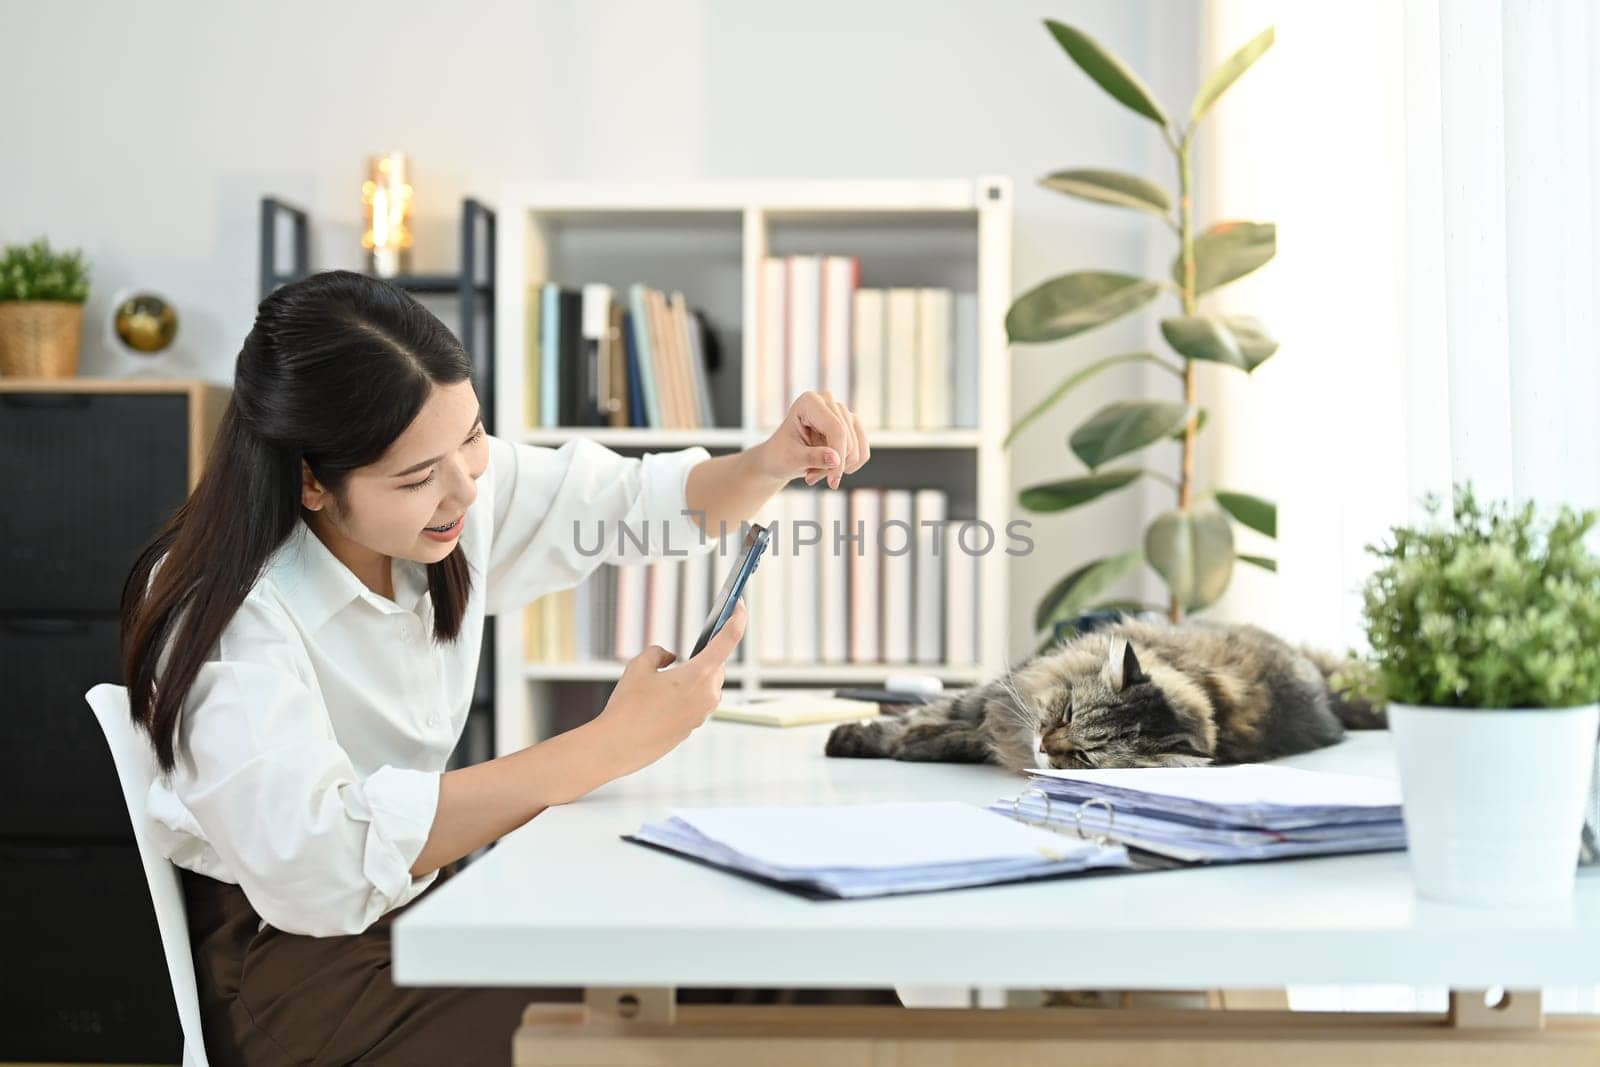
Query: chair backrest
[(136, 769)]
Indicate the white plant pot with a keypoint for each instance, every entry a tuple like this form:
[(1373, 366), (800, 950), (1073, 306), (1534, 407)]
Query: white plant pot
[(1494, 800)]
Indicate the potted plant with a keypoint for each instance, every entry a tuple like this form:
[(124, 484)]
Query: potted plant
[(1485, 635), (1190, 546), (41, 310)]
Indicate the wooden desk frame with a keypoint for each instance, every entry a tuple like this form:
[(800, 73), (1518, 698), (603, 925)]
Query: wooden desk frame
[(639, 1027)]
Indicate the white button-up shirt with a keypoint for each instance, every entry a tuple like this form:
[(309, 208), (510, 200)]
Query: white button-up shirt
[(311, 745)]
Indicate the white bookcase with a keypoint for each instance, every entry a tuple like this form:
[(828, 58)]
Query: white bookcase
[(708, 238)]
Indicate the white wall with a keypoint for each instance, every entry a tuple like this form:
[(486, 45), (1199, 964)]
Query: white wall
[(146, 133)]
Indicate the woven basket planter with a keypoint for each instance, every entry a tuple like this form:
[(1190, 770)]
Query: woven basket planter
[(39, 338)]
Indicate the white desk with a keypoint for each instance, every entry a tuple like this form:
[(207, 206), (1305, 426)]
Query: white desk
[(564, 901)]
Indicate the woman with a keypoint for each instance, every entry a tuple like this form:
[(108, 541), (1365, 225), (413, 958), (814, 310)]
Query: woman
[(301, 643)]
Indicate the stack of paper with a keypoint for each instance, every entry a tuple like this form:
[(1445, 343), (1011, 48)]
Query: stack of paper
[(1218, 814), (864, 850)]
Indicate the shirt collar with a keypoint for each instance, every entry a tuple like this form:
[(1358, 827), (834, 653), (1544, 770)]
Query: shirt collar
[(319, 585)]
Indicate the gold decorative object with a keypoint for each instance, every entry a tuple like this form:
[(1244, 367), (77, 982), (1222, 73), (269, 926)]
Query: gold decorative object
[(386, 202), (39, 338), (145, 323)]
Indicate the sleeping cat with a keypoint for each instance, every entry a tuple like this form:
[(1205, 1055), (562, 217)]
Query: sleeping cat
[(1132, 694)]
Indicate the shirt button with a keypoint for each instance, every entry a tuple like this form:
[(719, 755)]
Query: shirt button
[(433, 720)]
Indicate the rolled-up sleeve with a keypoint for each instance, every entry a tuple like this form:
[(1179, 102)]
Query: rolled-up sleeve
[(560, 513), (317, 848)]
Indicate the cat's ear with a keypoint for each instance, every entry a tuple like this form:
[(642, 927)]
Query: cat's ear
[(1125, 669)]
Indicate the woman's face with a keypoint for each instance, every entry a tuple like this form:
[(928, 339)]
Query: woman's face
[(428, 478)]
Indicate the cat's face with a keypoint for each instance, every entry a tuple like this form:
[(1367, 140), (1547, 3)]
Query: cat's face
[(1117, 717)]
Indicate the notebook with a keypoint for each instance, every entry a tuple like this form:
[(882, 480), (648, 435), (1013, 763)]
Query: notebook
[(793, 709)]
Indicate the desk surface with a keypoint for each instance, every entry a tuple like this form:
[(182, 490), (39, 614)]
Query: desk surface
[(564, 901)]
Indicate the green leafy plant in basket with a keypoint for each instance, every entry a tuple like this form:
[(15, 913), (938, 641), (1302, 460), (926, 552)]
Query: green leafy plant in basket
[(1494, 609), (1192, 545), (36, 272)]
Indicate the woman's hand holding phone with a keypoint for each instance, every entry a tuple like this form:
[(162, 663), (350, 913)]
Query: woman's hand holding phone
[(652, 710)]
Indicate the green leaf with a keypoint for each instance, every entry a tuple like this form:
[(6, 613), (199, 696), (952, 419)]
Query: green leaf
[(1132, 607), (1111, 187), (1228, 72), (1227, 252), (1193, 553), (1237, 340), (1108, 72), (1120, 428), (1261, 561), (1072, 381), (1258, 514), (1073, 303), (1089, 582), (1059, 496)]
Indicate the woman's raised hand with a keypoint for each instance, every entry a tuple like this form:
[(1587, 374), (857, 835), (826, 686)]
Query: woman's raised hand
[(818, 438)]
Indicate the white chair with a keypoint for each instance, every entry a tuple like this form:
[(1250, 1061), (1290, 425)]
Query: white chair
[(136, 769)]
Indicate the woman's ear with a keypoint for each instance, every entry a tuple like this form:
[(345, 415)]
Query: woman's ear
[(313, 497)]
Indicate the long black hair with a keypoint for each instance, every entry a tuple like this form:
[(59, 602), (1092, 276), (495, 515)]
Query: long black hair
[(333, 371)]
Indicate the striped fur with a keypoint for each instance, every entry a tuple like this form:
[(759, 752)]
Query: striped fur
[(1132, 694)]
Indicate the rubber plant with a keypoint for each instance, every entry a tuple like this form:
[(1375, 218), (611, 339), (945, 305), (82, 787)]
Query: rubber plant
[(1191, 546)]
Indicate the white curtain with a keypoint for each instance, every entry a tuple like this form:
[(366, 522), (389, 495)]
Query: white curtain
[(1434, 170)]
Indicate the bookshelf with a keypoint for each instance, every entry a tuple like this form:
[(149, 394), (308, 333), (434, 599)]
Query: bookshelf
[(708, 239)]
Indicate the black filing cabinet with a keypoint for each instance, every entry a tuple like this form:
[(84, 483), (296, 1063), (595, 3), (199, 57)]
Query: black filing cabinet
[(89, 470)]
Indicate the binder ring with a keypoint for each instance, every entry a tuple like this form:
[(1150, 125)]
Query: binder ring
[(1016, 805), (1111, 820)]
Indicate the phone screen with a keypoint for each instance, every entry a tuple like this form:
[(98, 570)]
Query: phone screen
[(755, 543)]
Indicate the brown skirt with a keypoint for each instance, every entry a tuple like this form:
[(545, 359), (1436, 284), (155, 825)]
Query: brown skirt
[(269, 997)]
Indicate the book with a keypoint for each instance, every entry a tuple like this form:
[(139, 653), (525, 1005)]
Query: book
[(661, 610), (899, 590), (933, 359), (802, 570), (770, 584), (574, 382), (805, 326), (644, 357), (663, 363), (866, 357), (964, 378), (840, 275), (866, 616), (694, 378), (928, 630), (550, 355), (596, 406), (632, 606), (772, 399), (620, 398), (699, 363), (960, 599), (792, 709), (533, 368), (901, 389), (833, 587)]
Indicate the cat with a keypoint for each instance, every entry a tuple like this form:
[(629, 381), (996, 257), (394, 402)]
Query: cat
[(1131, 694)]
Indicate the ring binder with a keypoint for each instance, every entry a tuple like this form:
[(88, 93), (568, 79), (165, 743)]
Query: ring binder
[(1111, 819), (1102, 839)]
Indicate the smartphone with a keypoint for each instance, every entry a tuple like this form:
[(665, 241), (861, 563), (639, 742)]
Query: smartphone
[(755, 543)]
